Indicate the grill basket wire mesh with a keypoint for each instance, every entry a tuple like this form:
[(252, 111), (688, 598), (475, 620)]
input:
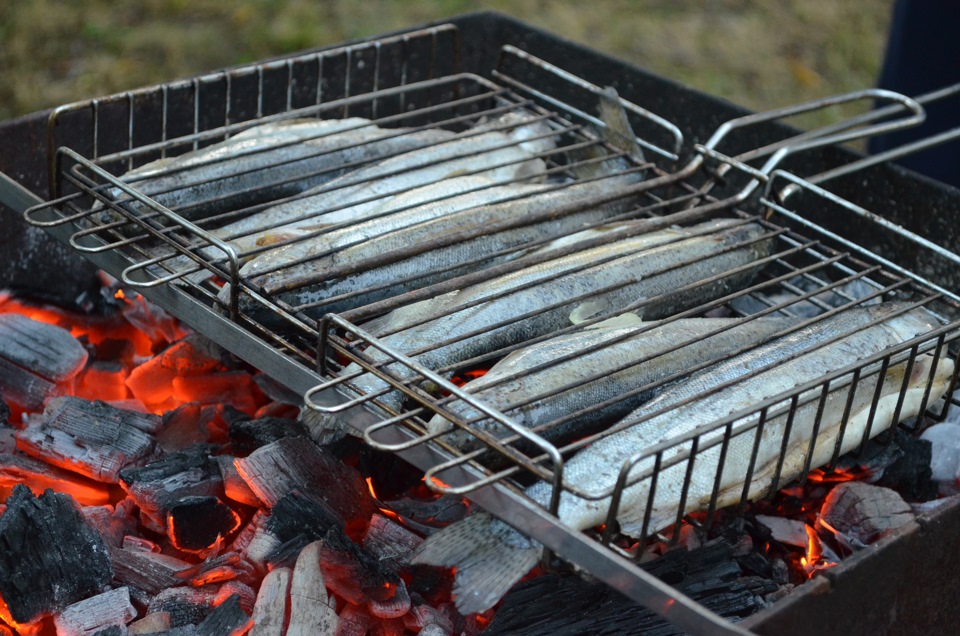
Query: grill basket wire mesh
[(414, 80)]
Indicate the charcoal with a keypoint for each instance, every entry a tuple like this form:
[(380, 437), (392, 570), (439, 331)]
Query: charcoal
[(269, 612), (297, 520), (149, 571), (312, 611), (355, 573), (186, 426), (24, 469), (911, 475), (859, 514), (426, 517), (229, 566), (50, 556), (91, 615), (185, 605), (152, 382), (234, 486), (247, 436), (4, 412), (90, 438), (195, 523), (390, 542), (296, 463), (19, 386), (47, 350), (158, 485), (157, 622), (113, 630), (228, 618)]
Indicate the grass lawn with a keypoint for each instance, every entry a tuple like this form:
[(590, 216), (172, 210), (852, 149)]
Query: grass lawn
[(758, 53)]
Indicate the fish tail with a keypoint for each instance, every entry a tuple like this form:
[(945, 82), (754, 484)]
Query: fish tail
[(488, 555), (618, 131)]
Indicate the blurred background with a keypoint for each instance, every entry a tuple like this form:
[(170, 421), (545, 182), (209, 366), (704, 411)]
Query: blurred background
[(756, 53)]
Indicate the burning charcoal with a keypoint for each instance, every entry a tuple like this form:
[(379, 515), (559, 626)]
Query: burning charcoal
[(22, 469), (229, 387), (93, 614), (859, 514), (90, 438), (234, 486), (158, 485), (47, 350), (186, 426), (196, 523), (359, 577), (22, 387), (4, 412), (390, 542), (270, 610), (113, 630), (150, 624), (296, 463), (229, 566), (152, 382), (423, 617), (353, 621), (247, 436), (909, 474), (149, 571), (228, 618), (185, 605), (103, 380), (944, 456), (51, 557), (312, 611), (113, 523), (789, 531)]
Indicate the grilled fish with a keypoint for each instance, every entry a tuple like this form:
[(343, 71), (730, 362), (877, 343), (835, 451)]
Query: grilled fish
[(609, 277), (504, 149), (619, 361), (312, 283), (490, 556), (416, 206), (268, 162)]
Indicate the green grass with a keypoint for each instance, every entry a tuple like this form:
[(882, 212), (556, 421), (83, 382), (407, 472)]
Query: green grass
[(757, 53)]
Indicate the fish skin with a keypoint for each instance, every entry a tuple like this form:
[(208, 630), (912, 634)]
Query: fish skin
[(221, 184), (599, 374), (422, 204), (307, 283), (363, 192), (641, 262), (490, 556)]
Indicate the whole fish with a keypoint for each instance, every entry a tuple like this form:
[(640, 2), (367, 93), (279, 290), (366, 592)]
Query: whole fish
[(611, 277), (416, 206), (504, 149), (268, 162), (618, 360), (490, 555), (311, 282)]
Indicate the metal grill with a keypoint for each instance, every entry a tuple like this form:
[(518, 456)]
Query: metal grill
[(411, 83)]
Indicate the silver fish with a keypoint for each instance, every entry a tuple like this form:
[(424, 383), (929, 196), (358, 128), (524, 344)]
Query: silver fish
[(267, 162), (504, 149), (311, 282), (620, 360), (490, 556), (612, 277), (416, 206)]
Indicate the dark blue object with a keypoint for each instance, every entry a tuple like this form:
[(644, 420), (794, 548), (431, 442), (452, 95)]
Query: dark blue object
[(923, 54)]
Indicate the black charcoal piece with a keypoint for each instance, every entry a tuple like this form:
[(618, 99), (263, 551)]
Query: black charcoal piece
[(89, 437), (158, 485), (4, 412), (249, 435), (194, 523), (19, 386), (149, 571), (50, 556), (47, 350), (113, 630), (296, 520), (227, 618)]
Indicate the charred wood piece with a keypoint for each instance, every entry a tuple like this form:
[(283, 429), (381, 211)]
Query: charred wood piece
[(228, 618), (150, 571), (50, 556), (296, 463), (859, 514), (91, 438), (97, 613), (196, 523), (270, 610), (46, 350), (160, 484), (23, 469), (312, 611), (19, 386), (247, 436)]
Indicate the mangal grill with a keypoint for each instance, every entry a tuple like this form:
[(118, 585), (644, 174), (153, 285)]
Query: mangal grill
[(435, 79)]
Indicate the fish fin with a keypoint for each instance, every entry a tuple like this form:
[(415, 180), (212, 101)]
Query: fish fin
[(628, 319), (488, 555), (618, 132), (586, 311)]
